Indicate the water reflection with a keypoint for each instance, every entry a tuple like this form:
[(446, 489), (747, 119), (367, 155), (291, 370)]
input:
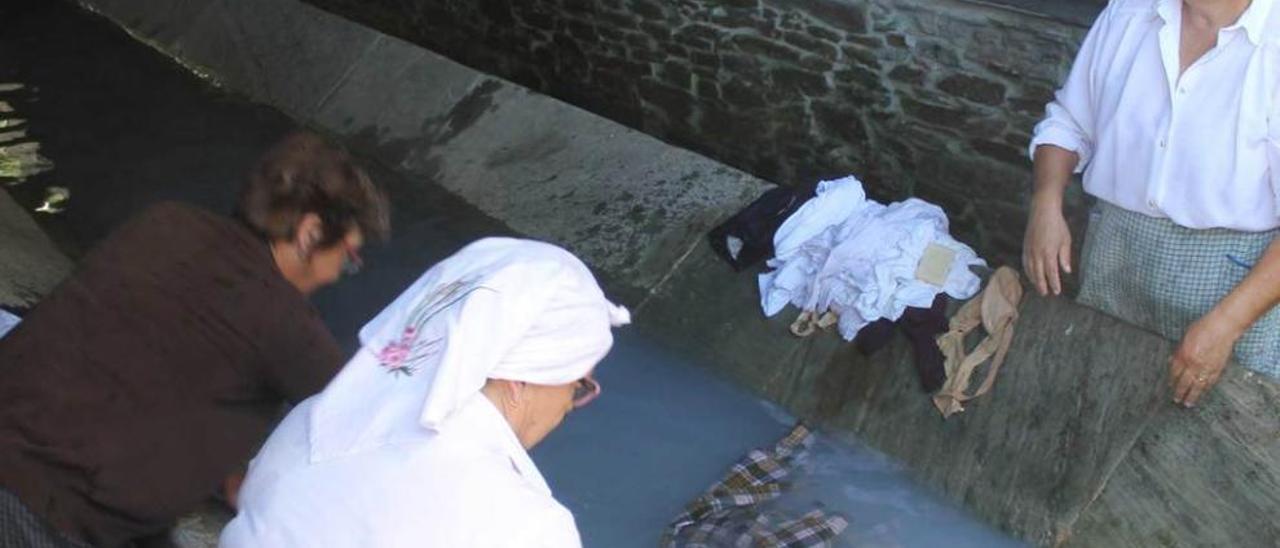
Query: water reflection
[(55, 200), (20, 157)]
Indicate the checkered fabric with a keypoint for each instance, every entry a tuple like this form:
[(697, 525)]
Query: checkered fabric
[(20, 528), (727, 515), (1162, 276)]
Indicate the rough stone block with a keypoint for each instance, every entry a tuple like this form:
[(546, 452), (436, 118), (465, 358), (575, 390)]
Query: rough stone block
[(976, 89), (848, 16), (675, 74), (807, 83), (814, 63), (674, 102), (737, 19), (648, 9), (32, 265), (743, 94), (1001, 152), (938, 115), (842, 121), (755, 45), (862, 56), (907, 74), (822, 33), (813, 45)]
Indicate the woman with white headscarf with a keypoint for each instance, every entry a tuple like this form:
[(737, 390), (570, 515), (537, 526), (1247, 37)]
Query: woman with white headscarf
[(421, 439)]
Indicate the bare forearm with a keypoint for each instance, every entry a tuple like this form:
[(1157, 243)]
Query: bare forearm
[(1053, 169), (1255, 295), (1046, 247)]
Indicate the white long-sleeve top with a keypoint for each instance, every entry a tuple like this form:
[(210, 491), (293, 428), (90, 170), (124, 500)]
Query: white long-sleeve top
[(1203, 148), (469, 485)]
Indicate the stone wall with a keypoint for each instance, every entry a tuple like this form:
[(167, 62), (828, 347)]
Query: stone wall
[(931, 98)]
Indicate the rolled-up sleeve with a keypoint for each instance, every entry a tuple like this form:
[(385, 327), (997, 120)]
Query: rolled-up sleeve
[(1068, 122)]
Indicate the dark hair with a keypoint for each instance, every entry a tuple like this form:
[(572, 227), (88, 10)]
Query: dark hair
[(301, 174)]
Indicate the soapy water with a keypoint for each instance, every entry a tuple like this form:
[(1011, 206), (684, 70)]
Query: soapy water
[(884, 507), (664, 430)]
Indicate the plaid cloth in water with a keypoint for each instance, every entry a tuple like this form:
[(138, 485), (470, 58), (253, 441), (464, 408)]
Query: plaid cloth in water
[(1162, 276), (727, 514), (20, 528)]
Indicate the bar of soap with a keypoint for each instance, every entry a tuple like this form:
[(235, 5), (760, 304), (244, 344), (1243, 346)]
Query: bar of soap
[(935, 265)]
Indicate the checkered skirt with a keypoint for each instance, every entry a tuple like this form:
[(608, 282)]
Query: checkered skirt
[(1162, 276), (20, 528)]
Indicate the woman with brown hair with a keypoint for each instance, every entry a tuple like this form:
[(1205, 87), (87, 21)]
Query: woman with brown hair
[(153, 372)]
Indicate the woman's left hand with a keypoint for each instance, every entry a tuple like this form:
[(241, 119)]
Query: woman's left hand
[(1201, 358)]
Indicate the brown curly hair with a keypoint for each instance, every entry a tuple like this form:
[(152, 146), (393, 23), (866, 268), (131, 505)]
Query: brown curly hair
[(303, 173)]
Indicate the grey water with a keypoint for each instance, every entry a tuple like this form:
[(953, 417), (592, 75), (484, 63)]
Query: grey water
[(664, 430)]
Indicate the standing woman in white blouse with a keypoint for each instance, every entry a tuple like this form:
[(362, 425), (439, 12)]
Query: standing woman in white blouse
[(1172, 111)]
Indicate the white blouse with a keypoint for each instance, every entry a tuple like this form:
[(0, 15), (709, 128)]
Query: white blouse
[(1202, 149), (471, 485)]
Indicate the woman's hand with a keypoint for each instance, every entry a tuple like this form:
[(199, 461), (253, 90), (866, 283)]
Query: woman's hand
[(1046, 247), (231, 489), (1201, 357)]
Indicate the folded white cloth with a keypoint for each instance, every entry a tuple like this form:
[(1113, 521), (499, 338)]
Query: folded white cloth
[(844, 253)]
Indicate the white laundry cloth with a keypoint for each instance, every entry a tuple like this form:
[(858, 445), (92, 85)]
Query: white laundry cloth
[(858, 258), (7, 322)]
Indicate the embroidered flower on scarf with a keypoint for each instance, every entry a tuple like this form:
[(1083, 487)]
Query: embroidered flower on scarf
[(394, 357), (407, 354)]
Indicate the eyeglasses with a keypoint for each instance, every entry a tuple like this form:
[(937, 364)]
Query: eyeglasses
[(352, 263), (584, 391)]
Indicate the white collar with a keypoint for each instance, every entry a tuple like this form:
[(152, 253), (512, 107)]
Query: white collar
[(1253, 21), (478, 421)]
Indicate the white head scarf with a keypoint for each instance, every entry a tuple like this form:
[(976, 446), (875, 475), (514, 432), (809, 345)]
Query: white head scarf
[(500, 308)]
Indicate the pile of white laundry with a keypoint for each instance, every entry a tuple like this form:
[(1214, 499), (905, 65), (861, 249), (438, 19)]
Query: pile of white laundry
[(862, 260)]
